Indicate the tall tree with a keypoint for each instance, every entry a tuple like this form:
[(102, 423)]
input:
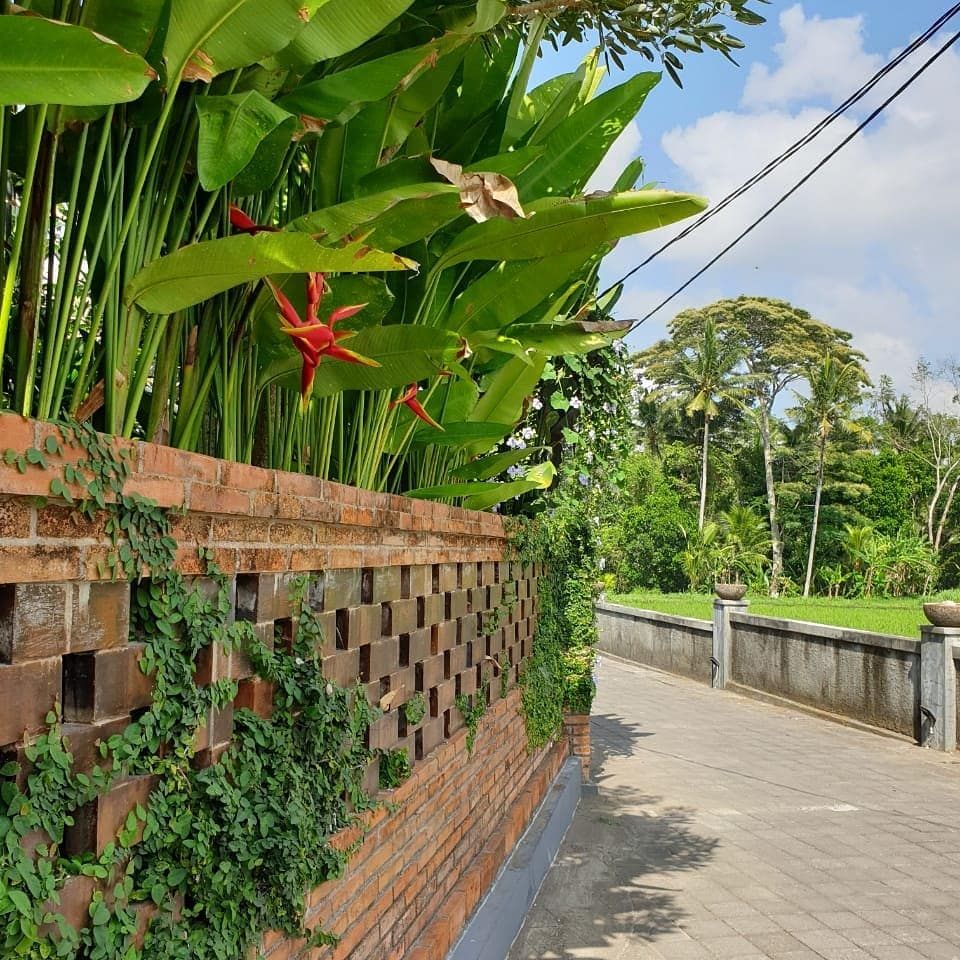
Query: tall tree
[(778, 343), (940, 449), (704, 373), (834, 390)]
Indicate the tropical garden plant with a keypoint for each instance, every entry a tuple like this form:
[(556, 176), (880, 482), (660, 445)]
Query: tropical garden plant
[(168, 188)]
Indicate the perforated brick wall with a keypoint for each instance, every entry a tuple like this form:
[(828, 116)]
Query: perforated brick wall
[(413, 598)]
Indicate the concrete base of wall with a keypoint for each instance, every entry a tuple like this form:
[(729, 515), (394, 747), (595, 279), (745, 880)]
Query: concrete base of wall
[(497, 921), (794, 705)]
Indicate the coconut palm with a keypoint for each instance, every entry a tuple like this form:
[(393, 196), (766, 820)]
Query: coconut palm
[(834, 389), (705, 375)]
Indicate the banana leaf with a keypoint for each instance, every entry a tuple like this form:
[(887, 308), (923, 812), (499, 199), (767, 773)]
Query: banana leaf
[(200, 270), (45, 61)]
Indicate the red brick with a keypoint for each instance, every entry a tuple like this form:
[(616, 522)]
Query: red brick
[(160, 461), (207, 498), (74, 903), (29, 692), (100, 616), (96, 824), (40, 563), (15, 516), (256, 695), (83, 739), (33, 621), (106, 684), (164, 491)]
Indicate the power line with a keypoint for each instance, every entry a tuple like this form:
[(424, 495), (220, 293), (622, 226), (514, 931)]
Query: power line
[(795, 147), (819, 166)]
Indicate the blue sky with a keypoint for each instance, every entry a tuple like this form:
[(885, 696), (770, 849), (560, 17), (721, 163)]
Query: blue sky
[(871, 245)]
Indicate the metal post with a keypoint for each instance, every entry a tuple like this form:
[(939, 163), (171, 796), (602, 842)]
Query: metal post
[(938, 687), (723, 638)]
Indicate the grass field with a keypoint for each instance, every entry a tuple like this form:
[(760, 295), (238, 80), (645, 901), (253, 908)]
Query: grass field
[(899, 617)]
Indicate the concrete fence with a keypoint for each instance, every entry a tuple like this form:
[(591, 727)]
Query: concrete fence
[(909, 687)]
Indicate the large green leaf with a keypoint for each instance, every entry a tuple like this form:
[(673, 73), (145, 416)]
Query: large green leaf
[(205, 39), (337, 28), (200, 270), (558, 339), (576, 146), (44, 61), (492, 465), (539, 477), (502, 402), (406, 353), (482, 494), (232, 128), (137, 25), (562, 225), (386, 220), (510, 290), (463, 434), (339, 96), (261, 172)]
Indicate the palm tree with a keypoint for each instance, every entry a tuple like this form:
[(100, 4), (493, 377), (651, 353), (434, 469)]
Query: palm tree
[(705, 375), (834, 389), (747, 539)]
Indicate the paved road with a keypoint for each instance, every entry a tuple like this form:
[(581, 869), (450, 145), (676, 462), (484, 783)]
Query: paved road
[(727, 828)]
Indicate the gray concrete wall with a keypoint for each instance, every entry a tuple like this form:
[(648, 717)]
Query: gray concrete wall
[(865, 676), (956, 660), (679, 645)]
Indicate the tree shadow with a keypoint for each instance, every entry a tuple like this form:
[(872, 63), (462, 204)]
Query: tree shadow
[(617, 879)]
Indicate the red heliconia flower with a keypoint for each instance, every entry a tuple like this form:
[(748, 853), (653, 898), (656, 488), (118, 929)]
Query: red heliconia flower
[(243, 224), (316, 340), (409, 399)]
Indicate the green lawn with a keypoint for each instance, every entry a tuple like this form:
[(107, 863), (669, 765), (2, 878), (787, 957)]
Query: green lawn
[(900, 616)]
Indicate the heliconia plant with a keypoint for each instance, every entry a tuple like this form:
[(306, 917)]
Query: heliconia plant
[(200, 167)]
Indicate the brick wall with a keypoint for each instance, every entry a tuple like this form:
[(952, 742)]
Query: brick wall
[(413, 597)]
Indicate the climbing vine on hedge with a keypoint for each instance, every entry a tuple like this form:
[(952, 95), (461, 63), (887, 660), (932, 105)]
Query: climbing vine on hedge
[(218, 855)]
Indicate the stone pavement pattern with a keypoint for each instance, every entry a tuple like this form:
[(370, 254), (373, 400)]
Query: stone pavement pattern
[(728, 828)]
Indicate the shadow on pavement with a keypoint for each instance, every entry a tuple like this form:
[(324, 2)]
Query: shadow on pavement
[(618, 873)]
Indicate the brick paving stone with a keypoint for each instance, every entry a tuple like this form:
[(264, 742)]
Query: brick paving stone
[(727, 828)]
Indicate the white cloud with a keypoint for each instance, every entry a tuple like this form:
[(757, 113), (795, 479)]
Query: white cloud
[(870, 243), (818, 58), (625, 149)]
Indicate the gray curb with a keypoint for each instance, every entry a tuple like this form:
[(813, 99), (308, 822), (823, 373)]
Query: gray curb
[(497, 921)]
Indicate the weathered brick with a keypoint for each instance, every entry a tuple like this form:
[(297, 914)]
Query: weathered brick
[(447, 577), (100, 616), (105, 684), (384, 584), (83, 739), (421, 580), (443, 636), (15, 515), (359, 625), (29, 692), (382, 658), (342, 667), (33, 621), (263, 596), (432, 671), (468, 628), (255, 694), (420, 645), (341, 588), (399, 616), (431, 609), (96, 823)]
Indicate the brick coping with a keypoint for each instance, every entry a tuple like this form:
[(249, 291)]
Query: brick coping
[(195, 482)]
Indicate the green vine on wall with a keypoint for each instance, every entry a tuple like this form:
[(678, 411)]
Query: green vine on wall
[(218, 855), (472, 709)]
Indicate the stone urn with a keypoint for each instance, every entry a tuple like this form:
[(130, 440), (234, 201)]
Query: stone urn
[(730, 591), (943, 613)]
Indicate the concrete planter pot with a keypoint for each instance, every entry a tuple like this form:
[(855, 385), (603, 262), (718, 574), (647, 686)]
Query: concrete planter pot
[(944, 613), (730, 591)]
